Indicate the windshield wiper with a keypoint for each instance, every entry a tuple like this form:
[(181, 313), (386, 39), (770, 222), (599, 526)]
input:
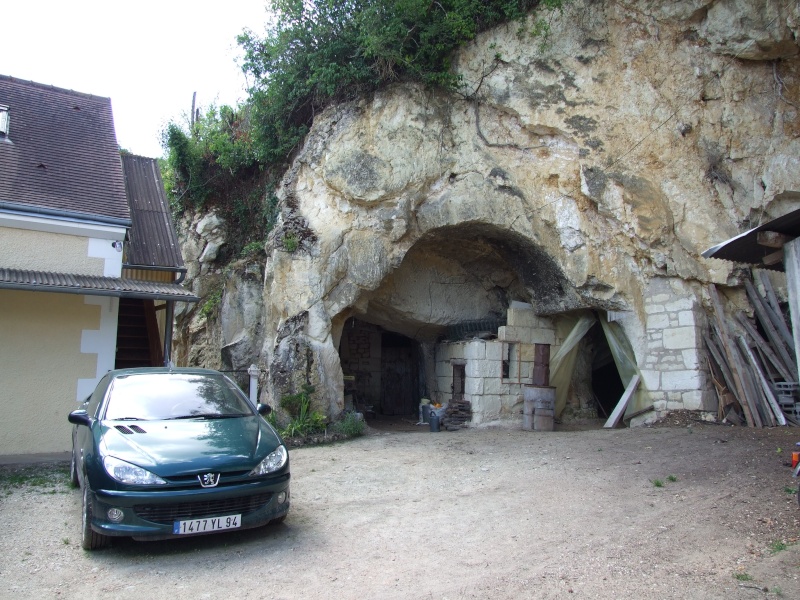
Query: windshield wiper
[(209, 416), (129, 419)]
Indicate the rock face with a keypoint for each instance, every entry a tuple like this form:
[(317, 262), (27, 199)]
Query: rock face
[(585, 177)]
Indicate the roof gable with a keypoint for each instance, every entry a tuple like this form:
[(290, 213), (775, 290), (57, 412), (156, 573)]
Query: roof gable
[(61, 153)]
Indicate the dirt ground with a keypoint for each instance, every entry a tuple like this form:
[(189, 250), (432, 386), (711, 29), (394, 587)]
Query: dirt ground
[(475, 513)]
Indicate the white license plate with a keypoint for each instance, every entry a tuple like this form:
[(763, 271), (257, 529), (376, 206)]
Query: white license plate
[(207, 525)]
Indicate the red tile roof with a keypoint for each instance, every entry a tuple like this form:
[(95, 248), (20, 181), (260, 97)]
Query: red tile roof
[(61, 153)]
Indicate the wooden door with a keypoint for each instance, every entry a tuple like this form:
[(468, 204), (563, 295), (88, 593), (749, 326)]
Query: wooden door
[(398, 380)]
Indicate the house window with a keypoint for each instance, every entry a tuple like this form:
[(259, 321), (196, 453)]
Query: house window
[(3, 120)]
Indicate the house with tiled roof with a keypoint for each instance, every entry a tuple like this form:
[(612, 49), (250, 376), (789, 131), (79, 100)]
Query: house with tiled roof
[(90, 267)]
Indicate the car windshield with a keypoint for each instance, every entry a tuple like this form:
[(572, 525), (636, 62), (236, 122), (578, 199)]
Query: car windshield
[(157, 396)]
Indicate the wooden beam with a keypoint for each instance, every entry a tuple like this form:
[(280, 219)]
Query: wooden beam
[(772, 402), (773, 259), (775, 313), (639, 412), (732, 355), (769, 291), (616, 415), (765, 347), (719, 357), (792, 267), (772, 239), (772, 333)]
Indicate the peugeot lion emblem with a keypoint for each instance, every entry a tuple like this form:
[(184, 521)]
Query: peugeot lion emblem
[(208, 479)]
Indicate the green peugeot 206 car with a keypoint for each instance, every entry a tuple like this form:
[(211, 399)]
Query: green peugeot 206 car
[(161, 453)]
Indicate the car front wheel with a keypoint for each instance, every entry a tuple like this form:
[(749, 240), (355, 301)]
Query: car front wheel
[(90, 539)]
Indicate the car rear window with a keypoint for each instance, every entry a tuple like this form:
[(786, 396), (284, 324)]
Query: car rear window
[(174, 395)]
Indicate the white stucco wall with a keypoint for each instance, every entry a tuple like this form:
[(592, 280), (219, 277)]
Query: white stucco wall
[(58, 253)]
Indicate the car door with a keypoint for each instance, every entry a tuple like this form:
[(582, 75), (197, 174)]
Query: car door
[(82, 438)]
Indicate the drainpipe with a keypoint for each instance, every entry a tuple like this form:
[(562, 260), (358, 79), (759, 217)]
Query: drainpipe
[(170, 315)]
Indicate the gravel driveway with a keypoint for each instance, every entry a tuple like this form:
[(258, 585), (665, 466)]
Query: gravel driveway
[(488, 513)]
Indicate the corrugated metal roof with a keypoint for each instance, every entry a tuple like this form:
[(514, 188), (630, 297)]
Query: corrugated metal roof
[(61, 151), (152, 240), (40, 281), (744, 248)]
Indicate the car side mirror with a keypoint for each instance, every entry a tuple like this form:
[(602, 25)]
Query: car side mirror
[(263, 409), (79, 417)]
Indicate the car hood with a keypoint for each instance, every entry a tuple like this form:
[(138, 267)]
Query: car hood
[(175, 447)]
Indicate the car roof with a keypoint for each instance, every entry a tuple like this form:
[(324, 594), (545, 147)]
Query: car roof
[(163, 370)]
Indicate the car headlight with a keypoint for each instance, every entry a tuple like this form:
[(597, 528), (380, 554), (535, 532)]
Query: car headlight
[(125, 472), (274, 461)]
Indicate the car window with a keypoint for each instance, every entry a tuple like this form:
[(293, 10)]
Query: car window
[(172, 396), (97, 396)]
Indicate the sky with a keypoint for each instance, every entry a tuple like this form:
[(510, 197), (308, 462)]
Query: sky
[(148, 56)]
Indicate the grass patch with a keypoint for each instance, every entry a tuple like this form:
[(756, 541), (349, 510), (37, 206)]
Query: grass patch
[(743, 577), (672, 478), (350, 426), (45, 479), (790, 490), (778, 546), (657, 483)]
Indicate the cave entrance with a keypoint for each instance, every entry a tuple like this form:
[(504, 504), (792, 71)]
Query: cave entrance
[(399, 375), (398, 340), (606, 383), (381, 370)]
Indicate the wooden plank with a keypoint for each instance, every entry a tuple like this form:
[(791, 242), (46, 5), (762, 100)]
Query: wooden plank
[(616, 414), (772, 239), (719, 359), (761, 407), (639, 412), (772, 402), (724, 396), (753, 389), (773, 259), (751, 397), (769, 328), (792, 266), (775, 313), (764, 347), (730, 349), (732, 416)]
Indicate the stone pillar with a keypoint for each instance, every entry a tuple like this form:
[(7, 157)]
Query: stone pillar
[(673, 372)]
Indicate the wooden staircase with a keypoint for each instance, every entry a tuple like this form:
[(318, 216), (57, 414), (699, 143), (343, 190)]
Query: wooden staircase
[(138, 339)]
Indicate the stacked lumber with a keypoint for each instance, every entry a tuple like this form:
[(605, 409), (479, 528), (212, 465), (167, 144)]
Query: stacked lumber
[(752, 360), (456, 414)]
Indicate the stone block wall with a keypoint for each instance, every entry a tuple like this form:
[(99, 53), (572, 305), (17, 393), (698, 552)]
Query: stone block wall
[(496, 370), (672, 364)]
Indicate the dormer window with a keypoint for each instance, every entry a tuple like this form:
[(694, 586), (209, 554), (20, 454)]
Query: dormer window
[(3, 120)]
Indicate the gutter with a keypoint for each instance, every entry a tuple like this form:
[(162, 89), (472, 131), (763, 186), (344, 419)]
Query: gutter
[(26, 210)]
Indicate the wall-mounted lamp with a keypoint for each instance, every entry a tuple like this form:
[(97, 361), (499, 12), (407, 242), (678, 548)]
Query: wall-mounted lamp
[(117, 246)]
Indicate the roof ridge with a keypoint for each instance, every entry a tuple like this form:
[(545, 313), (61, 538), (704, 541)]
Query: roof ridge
[(52, 88), (128, 154)]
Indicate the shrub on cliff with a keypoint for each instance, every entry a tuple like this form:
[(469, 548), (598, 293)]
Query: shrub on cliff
[(317, 52)]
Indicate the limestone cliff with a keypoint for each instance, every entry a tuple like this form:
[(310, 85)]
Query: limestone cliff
[(586, 174)]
